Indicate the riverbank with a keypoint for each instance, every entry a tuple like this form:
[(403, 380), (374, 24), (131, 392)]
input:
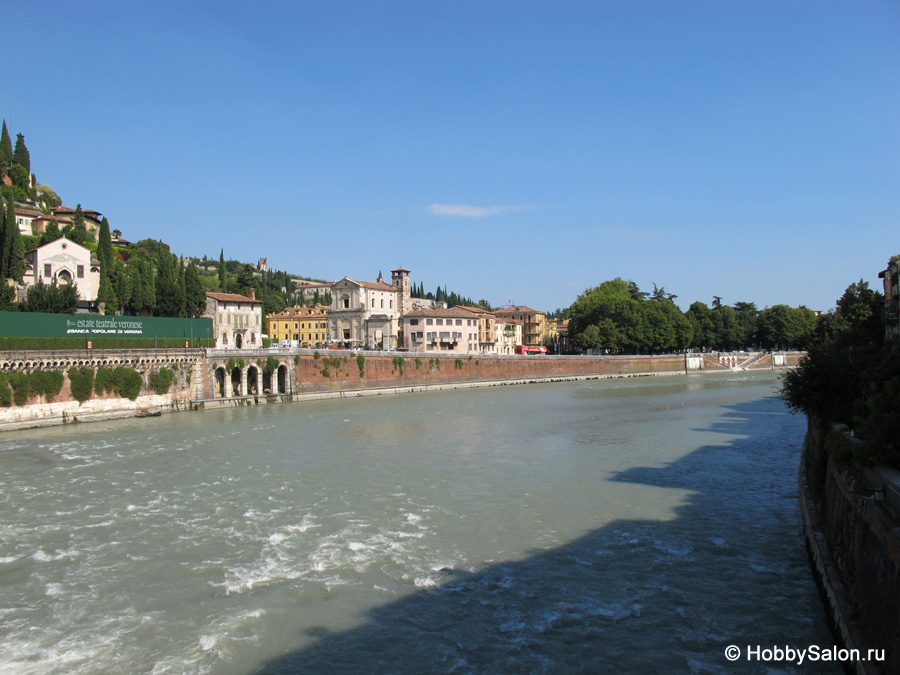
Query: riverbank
[(210, 379), (854, 546)]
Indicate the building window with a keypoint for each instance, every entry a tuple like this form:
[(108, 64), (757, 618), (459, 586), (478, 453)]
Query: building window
[(413, 322), (47, 271), (346, 302), (429, 322), (459, 322), (79, 270), (440, 322)]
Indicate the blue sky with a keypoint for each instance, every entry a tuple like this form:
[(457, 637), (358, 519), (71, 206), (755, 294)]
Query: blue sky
[(509, 150)]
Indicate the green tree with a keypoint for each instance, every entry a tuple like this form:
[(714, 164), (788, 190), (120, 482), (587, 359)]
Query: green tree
[(701, 319), (169, 295), (21, 155), (726, 331), (616, 301), (194, 293), (6, 150), (747, 314), (123, 285), (77, 231), (19, 177), (105, 248), (222, 277), (13, 254), (51, 232), (51, 298), (845, 359)]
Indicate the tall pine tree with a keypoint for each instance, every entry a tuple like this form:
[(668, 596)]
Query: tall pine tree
[(194, 295), (21, 155), (222, 270), (6, 151), (13, 266), (3, 257), (169, 295)]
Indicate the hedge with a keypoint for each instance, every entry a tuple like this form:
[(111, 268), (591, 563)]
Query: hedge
[(80, 343)]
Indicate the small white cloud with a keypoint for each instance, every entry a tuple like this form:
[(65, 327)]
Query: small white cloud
[(468, 211)]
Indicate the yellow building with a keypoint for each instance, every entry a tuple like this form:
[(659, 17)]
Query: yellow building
[(301, 326), (534, 324)]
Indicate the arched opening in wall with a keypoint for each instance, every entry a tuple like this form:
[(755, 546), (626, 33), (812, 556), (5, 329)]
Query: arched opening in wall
[(238, 340), (282, 379), (253, 381), (220, 383), (64, 278), (236, 382), (267, 382)]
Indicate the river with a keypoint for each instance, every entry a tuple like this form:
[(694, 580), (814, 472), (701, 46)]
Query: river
[(631, 525)]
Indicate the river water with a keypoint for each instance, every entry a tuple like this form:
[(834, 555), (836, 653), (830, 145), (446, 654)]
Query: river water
[(634, 525)]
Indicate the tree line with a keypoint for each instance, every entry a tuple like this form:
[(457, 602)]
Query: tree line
[(617, 317), (850, 376)]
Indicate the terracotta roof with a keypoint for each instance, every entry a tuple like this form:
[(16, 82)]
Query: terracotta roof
[(309, 284), (28, 212), (232, 297), (298, 313), (374, 285), (518, 310), (475, 310)]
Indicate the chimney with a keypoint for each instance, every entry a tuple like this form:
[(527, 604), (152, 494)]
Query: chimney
[(252, 293)]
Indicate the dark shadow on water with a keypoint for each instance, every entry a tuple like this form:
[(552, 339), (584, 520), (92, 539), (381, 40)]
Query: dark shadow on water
[(634, 596)]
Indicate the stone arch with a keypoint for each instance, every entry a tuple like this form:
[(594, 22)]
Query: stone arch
[(219, 386), (238, 340), (236, 382), (253, 381), (282, 377)]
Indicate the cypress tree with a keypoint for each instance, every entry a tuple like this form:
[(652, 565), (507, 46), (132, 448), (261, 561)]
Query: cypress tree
[(3, 262), (222, 270), (105, 249), (6, 151), (194, 295), (10, 239), (123, 284), (169, 294), (77, 231), (51, 233), (21, 155), (16, 255)]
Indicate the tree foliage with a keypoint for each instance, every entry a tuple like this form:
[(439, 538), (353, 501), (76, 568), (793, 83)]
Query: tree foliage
[(21, 155), (51, 298), (6, 150), (846, 361)]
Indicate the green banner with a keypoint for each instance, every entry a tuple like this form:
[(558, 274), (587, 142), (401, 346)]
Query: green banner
[(34, 324)]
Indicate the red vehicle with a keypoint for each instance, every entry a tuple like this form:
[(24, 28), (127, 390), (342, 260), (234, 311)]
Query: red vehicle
[(530, 351)]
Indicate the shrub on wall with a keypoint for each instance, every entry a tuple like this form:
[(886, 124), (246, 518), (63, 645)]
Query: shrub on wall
[(271, 365), (104, 382), (128, 382), (19, 383), (81, 383), (5, 393), (46, 383), (161, 381), (361, 364)]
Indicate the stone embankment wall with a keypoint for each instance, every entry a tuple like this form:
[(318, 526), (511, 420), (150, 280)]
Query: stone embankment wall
[(213, 378), (188, 366), (854, 543)]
